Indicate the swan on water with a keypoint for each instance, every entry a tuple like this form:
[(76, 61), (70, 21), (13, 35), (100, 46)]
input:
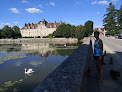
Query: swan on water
[(29, 71), (65, 45)]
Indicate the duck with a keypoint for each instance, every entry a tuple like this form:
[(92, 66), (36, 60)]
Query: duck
[(29, 71), (114, 74)]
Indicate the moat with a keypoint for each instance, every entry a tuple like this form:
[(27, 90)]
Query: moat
[(43, 58)]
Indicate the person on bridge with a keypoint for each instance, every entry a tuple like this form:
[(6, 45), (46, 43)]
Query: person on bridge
[(98, 56)]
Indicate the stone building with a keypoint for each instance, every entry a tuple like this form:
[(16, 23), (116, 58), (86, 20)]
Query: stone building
[(42, 28), (101, 30)]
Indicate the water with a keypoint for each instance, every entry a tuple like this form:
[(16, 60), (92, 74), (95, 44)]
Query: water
[(43, 58)]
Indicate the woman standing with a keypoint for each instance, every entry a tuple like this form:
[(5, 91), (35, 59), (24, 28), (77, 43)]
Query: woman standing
[(98, 56)]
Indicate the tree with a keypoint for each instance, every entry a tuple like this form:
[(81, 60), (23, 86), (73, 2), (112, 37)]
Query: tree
[(109, 20), (80, 32), (16, 30), (72, 31), (59, 31), (7, 32), (67, 32), (0, 33), (119, 17), (88, 28)]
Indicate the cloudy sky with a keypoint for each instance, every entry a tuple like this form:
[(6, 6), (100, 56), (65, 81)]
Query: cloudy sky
[(75, 12)]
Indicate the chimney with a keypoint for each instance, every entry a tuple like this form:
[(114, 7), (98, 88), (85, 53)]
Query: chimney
[(43, 20), (25, 24), (65, 22), (60, 22), (54, 22), (28, 24), (32, 25)]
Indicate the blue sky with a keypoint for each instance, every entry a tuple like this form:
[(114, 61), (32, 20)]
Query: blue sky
[(75, 12)]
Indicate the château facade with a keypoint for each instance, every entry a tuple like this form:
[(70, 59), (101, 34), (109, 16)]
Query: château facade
[(42, 28)]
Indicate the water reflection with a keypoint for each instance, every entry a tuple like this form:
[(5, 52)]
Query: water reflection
[(43, 58)]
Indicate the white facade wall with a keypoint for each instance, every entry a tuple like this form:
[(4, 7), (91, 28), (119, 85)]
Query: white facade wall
[(41, 30)]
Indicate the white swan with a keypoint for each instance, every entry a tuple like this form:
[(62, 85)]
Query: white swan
[(29, 71), (65, 45)]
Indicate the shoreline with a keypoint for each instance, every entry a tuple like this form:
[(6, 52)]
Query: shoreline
[(40, 40)]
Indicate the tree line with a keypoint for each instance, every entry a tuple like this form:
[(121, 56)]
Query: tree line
[(64, 30), (67, 30), (10, 32), (113, 19)]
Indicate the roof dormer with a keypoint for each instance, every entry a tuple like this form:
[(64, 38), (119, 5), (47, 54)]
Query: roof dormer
[(50, 26)]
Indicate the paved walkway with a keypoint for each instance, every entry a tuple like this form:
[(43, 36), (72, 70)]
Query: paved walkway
[(108, 85)]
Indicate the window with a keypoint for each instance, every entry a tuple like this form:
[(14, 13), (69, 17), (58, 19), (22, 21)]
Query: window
[(50, 25), (55, 26)]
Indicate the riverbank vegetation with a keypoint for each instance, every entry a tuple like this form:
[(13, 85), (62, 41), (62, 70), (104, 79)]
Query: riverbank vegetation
[(113, 19)]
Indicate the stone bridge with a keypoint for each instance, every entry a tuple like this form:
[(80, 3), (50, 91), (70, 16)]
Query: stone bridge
[(70, 76)]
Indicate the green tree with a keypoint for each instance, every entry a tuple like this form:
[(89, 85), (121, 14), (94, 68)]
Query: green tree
[(88, 28), (59, 31), (80, 32), (119, 17), (0, 33), (7, 32), (16, 30), (72, 31), (109, 20), (67, 32)]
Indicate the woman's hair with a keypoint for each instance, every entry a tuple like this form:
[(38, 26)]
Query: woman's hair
[(96, 32)]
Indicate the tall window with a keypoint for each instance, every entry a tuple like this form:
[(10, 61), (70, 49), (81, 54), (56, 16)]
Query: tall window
[(50, 26), (54, 25)]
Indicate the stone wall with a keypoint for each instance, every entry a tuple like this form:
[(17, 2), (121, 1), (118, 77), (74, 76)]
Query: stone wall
[(70, 76), (49, 40)]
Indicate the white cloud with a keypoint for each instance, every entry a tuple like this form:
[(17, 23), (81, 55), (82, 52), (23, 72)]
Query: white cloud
[(15, 22), (14, 10), (24, 1), (94, 2), (33, 10), (5, 24), (101, 2), (98, 13), (51, 3), (40, 6), (35, 63)]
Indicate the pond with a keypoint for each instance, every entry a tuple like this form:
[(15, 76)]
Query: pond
[(43, 58)]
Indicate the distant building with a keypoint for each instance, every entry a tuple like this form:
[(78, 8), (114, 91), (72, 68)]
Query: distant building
[(101, 30), (120, 31), (42, 28)]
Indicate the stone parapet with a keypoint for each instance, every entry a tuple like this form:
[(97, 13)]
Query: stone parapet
[(70, 76)]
